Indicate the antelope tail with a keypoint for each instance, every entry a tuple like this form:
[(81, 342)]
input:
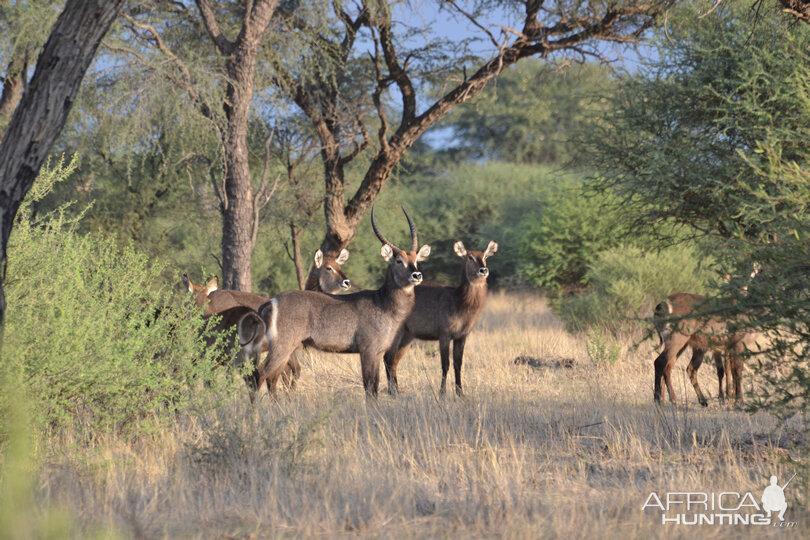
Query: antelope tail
[(250, 327)]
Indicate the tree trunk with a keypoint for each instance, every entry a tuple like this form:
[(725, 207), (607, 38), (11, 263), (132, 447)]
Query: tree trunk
[(41, 114), (342, 220), (237, 215), (295, 233), (239, 210), (617, 23)]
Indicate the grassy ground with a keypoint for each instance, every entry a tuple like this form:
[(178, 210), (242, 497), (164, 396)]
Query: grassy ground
[(557, 447)]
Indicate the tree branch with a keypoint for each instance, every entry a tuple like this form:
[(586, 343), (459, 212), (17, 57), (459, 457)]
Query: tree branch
[(211, 25), (397, 73)]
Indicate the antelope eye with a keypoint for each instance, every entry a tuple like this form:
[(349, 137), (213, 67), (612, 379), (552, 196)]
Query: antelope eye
[(330, 268), (402, 261), (472, 257)]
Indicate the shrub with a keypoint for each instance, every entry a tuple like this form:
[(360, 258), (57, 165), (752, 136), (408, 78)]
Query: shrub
[(563, 236), (602, 349), (91, 333), (626, 282), (472, 202)]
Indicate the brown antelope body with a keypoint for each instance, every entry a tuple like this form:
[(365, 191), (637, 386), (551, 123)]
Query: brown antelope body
[(677, 330), (365, 322), (250, 330), (249, 327), (445, 314), (328, 278)]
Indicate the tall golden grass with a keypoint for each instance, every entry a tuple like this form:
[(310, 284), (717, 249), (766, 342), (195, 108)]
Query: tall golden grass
[(563, 447)]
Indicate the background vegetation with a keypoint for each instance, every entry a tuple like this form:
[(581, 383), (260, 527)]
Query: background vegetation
[(606, 189), (94, 336)]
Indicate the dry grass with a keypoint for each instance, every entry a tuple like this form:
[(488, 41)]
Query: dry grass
[(556, 448)]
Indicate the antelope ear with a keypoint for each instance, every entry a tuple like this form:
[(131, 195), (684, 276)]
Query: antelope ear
[(318, 258), (343, 257), (387, 253), (187, 283), (492, 249), (458, 247), (212, 284), (424, 251)]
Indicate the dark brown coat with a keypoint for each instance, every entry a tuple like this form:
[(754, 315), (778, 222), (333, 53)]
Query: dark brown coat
[(328, 277), (445, 314), (365, 322)]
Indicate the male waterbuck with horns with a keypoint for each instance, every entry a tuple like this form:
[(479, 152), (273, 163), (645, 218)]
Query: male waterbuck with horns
[(328, 278), (445, 314), (365, 322)]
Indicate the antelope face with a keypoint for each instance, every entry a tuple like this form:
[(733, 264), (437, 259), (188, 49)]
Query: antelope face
[(404, 264), (475, 262), (331, 278), (200, 292)]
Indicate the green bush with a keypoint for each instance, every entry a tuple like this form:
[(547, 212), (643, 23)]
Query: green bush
[(472, 202), (563, 236), (626, 282), (91, 333), (602, 349)]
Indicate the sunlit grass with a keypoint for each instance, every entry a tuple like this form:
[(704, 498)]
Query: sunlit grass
[(562, 447)]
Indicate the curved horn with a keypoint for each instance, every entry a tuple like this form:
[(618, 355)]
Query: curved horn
[(414, 241), (382, 238)]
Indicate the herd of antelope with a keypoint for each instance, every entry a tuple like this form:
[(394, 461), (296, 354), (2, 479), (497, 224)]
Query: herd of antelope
[(381, 324), (378, 324)]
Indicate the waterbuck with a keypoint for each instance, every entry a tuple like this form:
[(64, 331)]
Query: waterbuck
[(677, 329), (365, 322), (445, 314), (328, 278), (250, 330)]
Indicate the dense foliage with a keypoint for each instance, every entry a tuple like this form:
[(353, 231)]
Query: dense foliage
[(476, 203), (564, 234), (93, 336), (712, 134), (695, 133), (533, 113), (625, 282)]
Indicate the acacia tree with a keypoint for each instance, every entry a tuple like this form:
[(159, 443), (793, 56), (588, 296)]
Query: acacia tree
[(236, 32), (44, 106), (712, 135), (681, 138), (336, 95), (24, 28)]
